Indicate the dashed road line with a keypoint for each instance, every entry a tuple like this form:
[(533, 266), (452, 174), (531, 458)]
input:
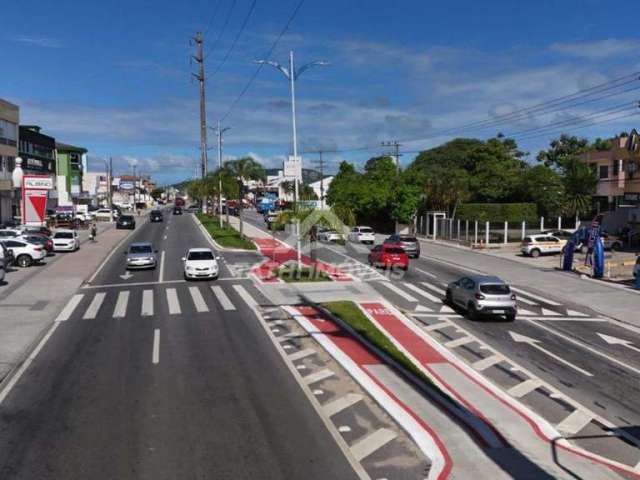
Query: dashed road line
[(458, 342), (371, 443), (523, 388), (574, 422), (341, 404), (301, 354), (487, 362), (317, 376), (155, 355)]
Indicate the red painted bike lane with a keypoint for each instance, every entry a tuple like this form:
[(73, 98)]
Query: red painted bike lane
[(278, 254)]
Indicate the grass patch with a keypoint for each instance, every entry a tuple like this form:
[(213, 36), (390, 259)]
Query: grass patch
[(226, 236), (353, 316), (291, 274)]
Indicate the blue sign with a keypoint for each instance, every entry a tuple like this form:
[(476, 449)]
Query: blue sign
[(126, 186)]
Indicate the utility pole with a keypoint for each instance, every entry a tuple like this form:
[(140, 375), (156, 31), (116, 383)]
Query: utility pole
[(199, 58), (135, 186), (219, 132), (397, 155), (109, 182)]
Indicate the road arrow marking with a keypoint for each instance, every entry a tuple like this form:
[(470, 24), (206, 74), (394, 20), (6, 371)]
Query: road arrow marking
[(127, 275), (618, 341), (519, 338)]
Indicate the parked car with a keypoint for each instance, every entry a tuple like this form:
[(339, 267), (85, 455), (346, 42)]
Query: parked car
[(126, 221), (2, 270), (105, 214), (39, 239), (536, 245), (9, 233), (200, 263), (156, 216), (362, 234), (141, 255), (483, 295), (24, 253), (65, 240), (330, 236), (409, 243), (40, 230), (611, 242), (389, 256), (177, 210)]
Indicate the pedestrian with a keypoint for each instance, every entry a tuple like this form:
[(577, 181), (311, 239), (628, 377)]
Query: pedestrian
[(636, 273), (93, 233)]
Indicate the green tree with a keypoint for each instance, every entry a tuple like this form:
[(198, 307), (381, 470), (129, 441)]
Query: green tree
[(242, 170), (406, 198), (307, 193), (543, 186), (156, 193), (580, 183), (344, 187), (562, 149)]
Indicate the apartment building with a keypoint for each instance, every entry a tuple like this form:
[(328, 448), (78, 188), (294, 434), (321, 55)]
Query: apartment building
[(9, 136)]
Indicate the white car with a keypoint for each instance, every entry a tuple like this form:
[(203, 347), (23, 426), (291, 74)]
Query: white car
[(200, 263), (105, 214), (362, 234), (65, 241), (330, 236), (535, 245), (9, 233), (25, 253)]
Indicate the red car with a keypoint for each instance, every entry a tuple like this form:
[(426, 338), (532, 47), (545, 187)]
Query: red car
[(389, 255)]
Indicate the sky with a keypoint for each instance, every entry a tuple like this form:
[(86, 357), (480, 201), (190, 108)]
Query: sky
[(116, 77)]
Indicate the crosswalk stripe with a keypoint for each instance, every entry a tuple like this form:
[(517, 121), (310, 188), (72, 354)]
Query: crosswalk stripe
[(174, 303), (121, 304), (574, 313), (424, 293), (68, 309), (147, 303), (536, 297), (434, 288), (549, 313), (523, 311), (94, 306), (245, 295), (222, 298), (399, 292), (198, 301)]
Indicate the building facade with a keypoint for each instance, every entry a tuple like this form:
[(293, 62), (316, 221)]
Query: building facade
[(71, 162), (9, 136), (38, 153)]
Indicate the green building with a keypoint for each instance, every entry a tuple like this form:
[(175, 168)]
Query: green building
[(70, 163)]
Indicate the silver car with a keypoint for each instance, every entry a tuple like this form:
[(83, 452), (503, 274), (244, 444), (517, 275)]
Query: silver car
[(409, 244), (141, 255), (483, 295)]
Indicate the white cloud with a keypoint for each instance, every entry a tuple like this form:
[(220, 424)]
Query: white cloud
[(36, 41), (599, 49)]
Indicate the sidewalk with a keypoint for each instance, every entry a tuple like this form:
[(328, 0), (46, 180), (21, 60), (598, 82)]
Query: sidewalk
[(608, 300), (27, 312)]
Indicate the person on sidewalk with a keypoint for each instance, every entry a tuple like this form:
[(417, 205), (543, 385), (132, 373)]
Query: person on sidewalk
[(636, 273), (93, 232)]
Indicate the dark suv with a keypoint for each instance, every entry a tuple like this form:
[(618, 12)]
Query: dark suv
[(155, 216), (126, 221), (177, 210)]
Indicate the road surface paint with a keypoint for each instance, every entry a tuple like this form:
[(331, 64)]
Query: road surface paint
[(173, 302), (71, 305), (120, 309), (155, 356), (222, 298), (94, 306)]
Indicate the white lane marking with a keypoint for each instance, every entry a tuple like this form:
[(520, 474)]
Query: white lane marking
[(573, 313), (438, 326), (347, 429), (522, 311), (155, 356), (147, 303), (138, 284), (341, 404), (174, 303), (434, 288), (23, 368), (519, 338), (299, 355), (424, 293), (549, 313), (458, 342), (245, 296), (485, 363), (71, 305), (523, 388), (424, 272), (317, 376), (198, 301), (422, 308), (371, 443), (121, 304), (222, 298), (165, 237), (587, 347), (574, 422), (399, 292), (565, 319), (94, 306), (611, 340), (446, 309), (161, 276), (536, 297)]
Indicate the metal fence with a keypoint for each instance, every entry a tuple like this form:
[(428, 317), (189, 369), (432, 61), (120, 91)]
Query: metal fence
[(486, 233)]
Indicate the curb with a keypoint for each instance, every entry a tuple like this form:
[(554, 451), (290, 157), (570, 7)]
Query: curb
[(215, 244)]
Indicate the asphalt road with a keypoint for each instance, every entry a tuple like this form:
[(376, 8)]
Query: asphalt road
[(607, 380), (151, 377)]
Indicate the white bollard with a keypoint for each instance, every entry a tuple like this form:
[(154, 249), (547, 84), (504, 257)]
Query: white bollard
[(475, 237), (541, 224), (506, 232), (435, 228), (524, 229), (559, 223), (486, 234), (458, 229)]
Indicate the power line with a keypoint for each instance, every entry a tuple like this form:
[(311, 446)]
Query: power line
[(222, 30), (214, 14), (238, 35), (269, 53)]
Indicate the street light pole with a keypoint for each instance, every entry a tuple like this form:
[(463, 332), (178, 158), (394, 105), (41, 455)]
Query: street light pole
[(292, 75), (219, 132)]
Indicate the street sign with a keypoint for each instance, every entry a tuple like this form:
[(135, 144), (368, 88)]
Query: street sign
[(35, 190), (293, 167)]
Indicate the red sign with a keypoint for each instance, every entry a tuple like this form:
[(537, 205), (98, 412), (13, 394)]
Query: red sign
[(35, 190)]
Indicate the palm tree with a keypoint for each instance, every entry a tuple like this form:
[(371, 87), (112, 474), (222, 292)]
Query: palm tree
[(244, 169), (580, 183)]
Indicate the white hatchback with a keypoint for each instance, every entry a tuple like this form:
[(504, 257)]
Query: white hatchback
[(362, 234), (200, 263), (65, 241)]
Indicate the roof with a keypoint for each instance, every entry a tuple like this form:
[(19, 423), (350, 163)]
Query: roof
[(486, 279), (71, 148)]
